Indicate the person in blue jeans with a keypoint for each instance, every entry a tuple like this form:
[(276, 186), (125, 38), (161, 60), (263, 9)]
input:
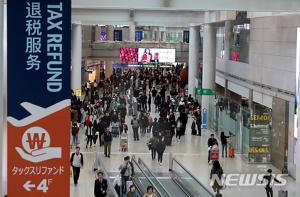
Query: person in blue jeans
[(127, 172), (224, 143)]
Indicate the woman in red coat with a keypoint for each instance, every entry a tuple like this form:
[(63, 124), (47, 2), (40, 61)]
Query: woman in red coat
[(147, 56)]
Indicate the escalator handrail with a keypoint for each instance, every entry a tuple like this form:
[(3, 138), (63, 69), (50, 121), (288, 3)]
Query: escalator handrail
[(111, 188), (186, 170), (165, 190), (136, 163)]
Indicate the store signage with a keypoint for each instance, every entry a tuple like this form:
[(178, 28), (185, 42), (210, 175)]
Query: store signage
[(39, 47), (256, 149), (262, 117), (204, 91)]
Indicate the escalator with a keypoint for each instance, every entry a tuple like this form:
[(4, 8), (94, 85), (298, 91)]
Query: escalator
[(166, 187), (179, 182)]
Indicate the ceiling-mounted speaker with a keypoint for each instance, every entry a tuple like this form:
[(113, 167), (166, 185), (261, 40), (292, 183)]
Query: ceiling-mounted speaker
[(167, 3), (131, 13)]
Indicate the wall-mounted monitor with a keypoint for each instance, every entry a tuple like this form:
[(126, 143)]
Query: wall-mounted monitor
[(156, 55)]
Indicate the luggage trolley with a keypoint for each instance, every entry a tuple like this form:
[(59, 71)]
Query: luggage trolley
[(214, 153), (115, 129), (123, 143)]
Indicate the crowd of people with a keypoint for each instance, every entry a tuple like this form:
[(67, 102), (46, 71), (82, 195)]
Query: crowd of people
[(154, 103)]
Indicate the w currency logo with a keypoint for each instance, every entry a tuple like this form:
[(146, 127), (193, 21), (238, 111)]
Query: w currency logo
[(36, 146)]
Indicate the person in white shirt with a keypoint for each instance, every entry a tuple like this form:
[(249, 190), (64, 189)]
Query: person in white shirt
[(76, 163)]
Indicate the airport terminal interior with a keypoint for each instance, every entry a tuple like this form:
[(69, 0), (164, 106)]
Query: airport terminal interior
[(175, 99)]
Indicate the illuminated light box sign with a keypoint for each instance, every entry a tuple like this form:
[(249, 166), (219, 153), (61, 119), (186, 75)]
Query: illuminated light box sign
[(38, 108), (156, 55)]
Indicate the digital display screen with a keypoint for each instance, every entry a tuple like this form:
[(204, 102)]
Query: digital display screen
[(129, 54), (156, 55)]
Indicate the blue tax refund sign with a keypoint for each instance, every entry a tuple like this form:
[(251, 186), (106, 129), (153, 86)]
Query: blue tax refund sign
[(38, 78)]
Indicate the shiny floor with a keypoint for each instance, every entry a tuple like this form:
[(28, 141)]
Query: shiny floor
[(191, 152)]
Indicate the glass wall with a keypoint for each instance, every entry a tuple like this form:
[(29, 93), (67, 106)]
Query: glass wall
[(220, 42), (240, 43)]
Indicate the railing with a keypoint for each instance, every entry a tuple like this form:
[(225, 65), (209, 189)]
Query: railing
[(160, 187), (187, 181), (142, 180)]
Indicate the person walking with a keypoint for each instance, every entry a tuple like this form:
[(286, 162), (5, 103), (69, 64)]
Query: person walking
[(149, 102), (224, 143), (100, 188), (126, 172), (269, 178), (76, 164), (89, 134), (107, 137), (135, 128), (152, 145), (150, 192), (216, 177), (160, 147), (210, 143), (75, 131)]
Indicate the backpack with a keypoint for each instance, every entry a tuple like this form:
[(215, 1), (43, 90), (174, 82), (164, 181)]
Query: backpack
[(87, 120), (75, 130), (135, 123)]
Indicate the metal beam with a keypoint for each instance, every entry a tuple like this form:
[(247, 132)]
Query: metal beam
[(138, 17), (196, 5)]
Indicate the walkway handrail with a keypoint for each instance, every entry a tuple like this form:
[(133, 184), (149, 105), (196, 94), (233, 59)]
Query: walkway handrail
[(186, 170), (165, 190), (146, 176), (111, 188)]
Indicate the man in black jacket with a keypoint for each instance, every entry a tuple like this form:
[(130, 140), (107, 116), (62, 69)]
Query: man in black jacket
[(107, 142), (210, 143), (269, 180), (100, 189), (76, 163)]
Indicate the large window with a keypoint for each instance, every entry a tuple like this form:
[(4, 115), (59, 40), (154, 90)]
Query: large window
[(240, 43), (174, 36), (138, 35), (186, 36), (118, 35)]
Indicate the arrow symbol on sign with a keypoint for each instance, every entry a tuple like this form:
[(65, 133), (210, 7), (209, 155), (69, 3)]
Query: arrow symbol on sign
[(27, 186)]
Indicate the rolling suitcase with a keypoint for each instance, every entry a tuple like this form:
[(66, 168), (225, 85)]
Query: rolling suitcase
[(282, 193), (231, 152)]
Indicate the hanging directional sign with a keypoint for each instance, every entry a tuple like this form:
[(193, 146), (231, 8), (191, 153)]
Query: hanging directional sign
[(39, 48), (204, 91)]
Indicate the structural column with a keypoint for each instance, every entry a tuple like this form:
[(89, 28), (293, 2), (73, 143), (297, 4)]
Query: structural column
[(132, 33), (194, 55), (110, 32), (163, 36), (76, 56), (108, 69), (97, 33), (228, 36), (209, 65)]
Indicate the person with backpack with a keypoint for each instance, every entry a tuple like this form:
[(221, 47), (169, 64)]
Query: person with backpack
[(107, 137), (216, 177), (152, 145), (269, 178), (135, 128), (75, 131), (76, 162), (126, 172)]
